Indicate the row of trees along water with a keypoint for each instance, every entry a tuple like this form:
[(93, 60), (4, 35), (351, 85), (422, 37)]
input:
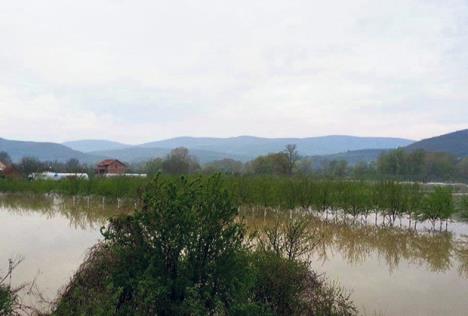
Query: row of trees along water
[(390, 199), (353, 198)]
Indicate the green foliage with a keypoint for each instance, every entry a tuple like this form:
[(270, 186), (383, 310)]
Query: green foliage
[(181, 253), (224, 166), (180, 162), (185, 253), (10, 304), (336, 168), (271, 164), (417, 165), (6, 300), (438, 204), (464, 207), (355, 198)]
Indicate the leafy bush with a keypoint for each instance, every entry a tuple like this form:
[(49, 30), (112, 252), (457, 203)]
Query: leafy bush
[(464, 207), (7, 300), (185, 253)]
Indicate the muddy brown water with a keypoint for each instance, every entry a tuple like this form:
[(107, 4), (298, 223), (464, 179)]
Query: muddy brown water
[(388, 270)]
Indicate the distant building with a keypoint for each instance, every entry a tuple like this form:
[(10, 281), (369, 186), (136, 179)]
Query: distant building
[(111, 166), (2, 166), (57, 176), (9, 171), (135, 175)]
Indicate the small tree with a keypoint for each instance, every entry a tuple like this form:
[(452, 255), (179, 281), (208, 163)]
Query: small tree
[(29, 165), (438, 205), (5, 157), (153, 166), (293, 157), (73, 165), (179, 162)]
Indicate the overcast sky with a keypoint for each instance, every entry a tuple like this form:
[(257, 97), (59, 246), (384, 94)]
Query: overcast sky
[(137, 71)]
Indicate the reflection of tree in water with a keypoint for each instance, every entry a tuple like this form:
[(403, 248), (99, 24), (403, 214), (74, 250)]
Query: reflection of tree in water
[(439, 251), (24, 203), (461, 251), (83, 213), (351, 241), (435, 249)]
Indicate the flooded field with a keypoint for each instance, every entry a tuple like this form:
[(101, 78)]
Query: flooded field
[(389, 270)]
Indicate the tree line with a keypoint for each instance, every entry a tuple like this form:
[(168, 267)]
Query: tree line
[(396, 164)]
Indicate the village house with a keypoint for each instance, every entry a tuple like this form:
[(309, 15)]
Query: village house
[(8, 171), (2, 166), (111, 166)]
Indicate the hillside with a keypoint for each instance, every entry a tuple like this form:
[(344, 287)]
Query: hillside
[(89, 145), (43, 151), (241, 148), (455, 143), (254, 146)]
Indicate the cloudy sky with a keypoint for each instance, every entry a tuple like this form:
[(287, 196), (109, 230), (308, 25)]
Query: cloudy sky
[(137, 71)]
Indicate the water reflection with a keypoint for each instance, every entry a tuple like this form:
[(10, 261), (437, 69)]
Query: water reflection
[(435, 251), (84, 213), (386, 267)]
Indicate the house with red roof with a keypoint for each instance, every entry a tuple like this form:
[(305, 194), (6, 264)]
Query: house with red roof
[(111, 166)]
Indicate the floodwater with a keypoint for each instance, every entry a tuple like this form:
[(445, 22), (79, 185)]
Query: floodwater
[(388, 270)]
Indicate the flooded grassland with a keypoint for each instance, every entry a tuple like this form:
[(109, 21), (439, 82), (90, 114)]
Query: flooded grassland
[(389, 269)]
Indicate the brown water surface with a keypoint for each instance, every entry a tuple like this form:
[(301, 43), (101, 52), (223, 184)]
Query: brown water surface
[(390, 270)]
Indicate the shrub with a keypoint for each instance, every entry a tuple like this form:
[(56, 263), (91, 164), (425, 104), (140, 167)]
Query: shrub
[(185, 253), (10, 304), (7, 300)]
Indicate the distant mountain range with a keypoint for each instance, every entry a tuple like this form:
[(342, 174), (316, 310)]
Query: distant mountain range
[(43, 151), (250, 146), (243, 148), (89, 145), (455, 143)]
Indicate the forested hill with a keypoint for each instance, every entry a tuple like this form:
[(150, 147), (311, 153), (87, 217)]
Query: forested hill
[(43, 151), (254, 146), (244, 148), (89, 145), (455, 143)]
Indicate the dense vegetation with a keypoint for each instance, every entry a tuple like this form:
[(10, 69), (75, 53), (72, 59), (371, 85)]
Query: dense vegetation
[(185, 253), (399, 164), (352, 198)]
